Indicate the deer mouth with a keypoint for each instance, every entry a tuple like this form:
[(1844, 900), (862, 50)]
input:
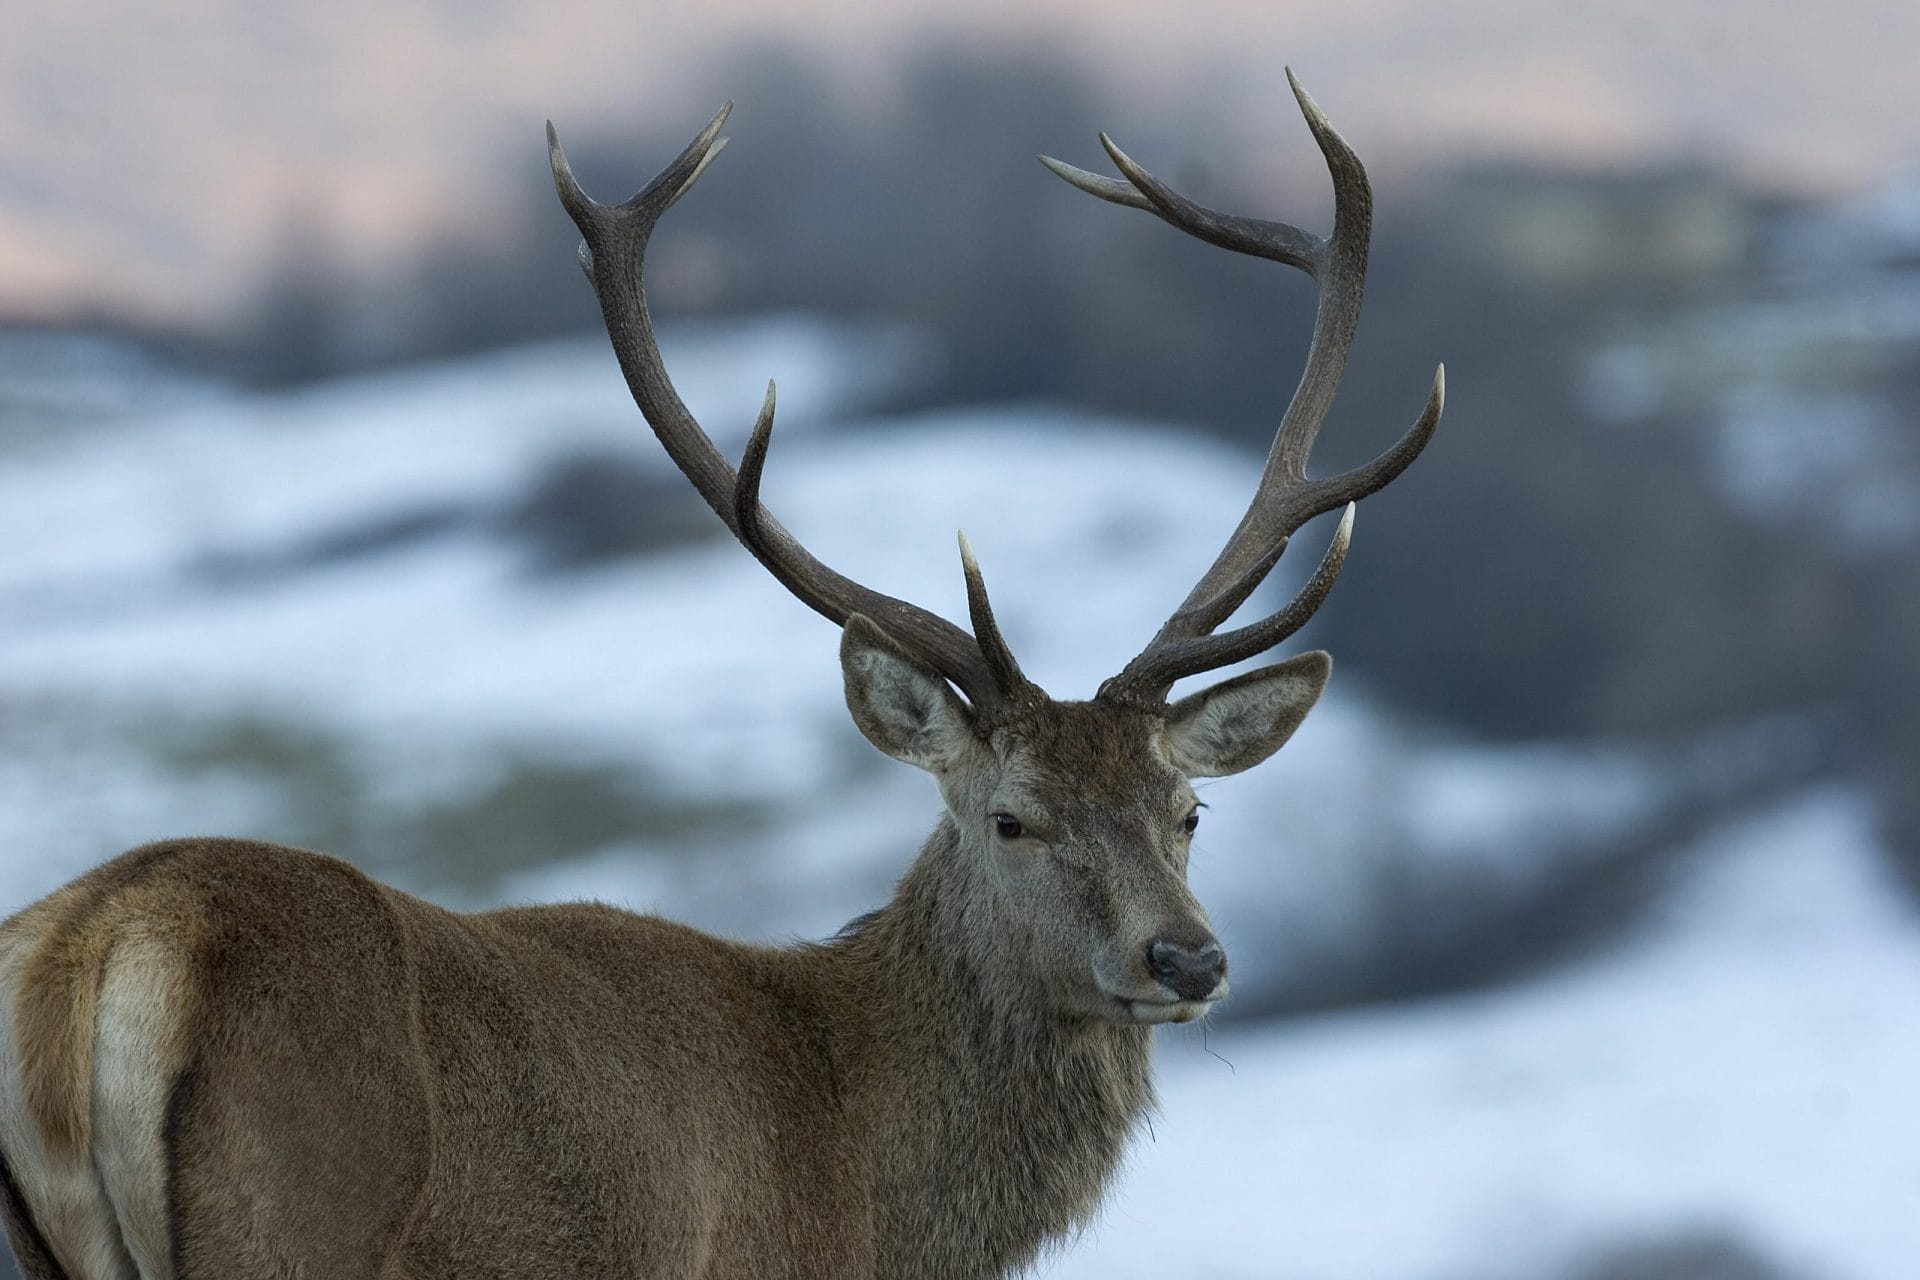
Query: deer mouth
[(1154, 1012), (1159, 1005)]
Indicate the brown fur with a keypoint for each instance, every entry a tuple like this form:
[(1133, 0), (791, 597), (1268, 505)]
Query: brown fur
[(241, 1059)]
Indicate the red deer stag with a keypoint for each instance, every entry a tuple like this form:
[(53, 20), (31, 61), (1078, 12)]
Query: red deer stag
[(225, 1058)]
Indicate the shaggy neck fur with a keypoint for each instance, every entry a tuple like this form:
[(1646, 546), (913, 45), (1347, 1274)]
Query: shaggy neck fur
[(994, 1124)]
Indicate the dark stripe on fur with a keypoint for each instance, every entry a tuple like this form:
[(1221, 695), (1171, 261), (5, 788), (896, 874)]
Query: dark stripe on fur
[(178, 1101)]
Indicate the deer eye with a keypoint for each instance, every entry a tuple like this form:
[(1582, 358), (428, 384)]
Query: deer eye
[(1192, 824), (1007, 827)]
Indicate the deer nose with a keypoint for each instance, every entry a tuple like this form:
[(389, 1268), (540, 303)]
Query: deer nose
[(1190, 971)]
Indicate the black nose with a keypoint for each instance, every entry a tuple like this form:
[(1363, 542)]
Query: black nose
[(1189, 971)]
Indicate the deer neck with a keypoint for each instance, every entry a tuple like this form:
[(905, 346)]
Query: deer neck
[(993, 1124)]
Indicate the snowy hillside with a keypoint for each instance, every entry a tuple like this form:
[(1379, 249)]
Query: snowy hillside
[(317, 618)]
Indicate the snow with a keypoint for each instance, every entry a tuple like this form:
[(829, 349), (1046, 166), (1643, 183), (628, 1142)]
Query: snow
[(1837, 464), (244, 471)]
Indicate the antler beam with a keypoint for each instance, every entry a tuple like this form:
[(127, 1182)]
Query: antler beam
[(613, 253)]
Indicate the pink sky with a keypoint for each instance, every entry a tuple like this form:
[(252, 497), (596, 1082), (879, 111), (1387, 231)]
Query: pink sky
[(153, 156)]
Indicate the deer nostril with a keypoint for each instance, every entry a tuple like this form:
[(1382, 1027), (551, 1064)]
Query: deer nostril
[(1190, 972)]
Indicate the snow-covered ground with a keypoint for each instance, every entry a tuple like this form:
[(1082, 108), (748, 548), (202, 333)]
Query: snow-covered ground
[(1746, 1064)]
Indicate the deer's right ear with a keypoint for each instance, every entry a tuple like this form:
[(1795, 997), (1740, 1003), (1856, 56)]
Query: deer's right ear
[(900, 704)]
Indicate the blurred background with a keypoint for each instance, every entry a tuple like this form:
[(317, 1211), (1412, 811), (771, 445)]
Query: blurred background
[(1574, 938)]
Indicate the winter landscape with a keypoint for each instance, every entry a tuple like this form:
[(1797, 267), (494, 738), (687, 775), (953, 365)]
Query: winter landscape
[(1576, 936), (332, 617)]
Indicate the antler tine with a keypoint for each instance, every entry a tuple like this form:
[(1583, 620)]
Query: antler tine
[(993, 646), (613, 254), (752, 514), (1158, 666), (674, 180), (1285, 499), (1256, 236)]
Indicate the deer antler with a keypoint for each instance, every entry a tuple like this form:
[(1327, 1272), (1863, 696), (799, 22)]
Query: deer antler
[(1285, 498), (613, 254)]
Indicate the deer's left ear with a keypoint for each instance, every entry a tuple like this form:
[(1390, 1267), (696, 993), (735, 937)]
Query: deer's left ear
[(1240, 722)]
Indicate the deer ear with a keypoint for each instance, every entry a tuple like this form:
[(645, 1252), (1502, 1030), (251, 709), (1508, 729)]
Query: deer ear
[(1240, 722), (904, 708)]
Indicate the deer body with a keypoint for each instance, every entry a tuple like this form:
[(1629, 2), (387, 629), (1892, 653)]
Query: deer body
[(857, 1108), (224, 1058)]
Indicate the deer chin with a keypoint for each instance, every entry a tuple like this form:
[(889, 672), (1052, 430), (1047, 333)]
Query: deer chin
[(1154, 1012)]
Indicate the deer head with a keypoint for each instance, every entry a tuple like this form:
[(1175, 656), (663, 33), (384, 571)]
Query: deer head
[(1070, 822)]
